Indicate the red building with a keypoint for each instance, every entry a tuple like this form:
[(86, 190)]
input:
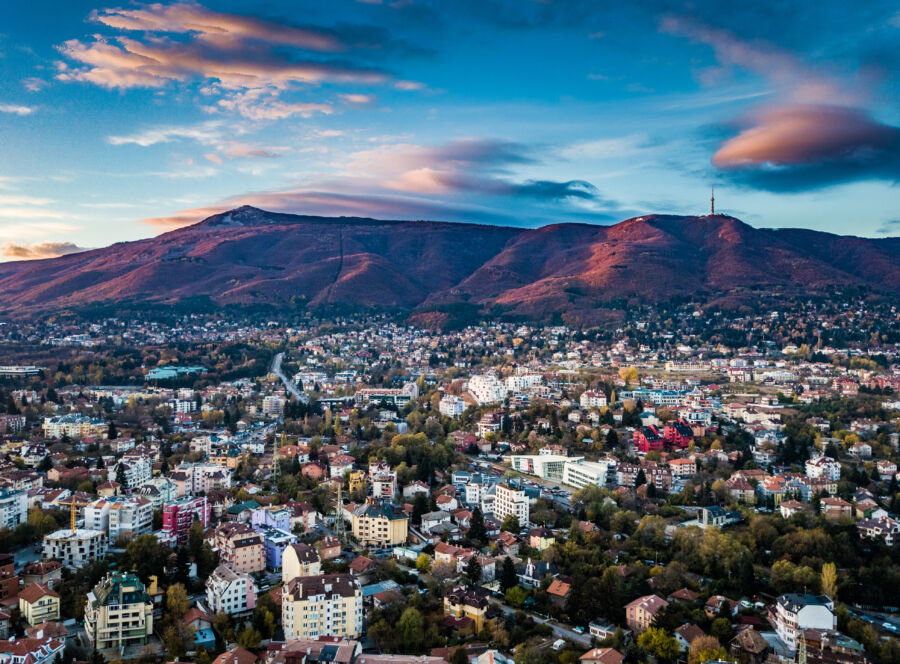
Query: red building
[(648, 439), (679, 433), (9, 582), (178, 517)]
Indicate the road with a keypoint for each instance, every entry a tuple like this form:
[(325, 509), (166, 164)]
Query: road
[(288, 384), (559, 630)]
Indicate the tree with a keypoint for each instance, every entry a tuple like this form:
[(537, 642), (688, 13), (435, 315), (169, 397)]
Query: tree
[(641, 478), (516, 596), (120, 475), (459, 656), (706, 649), (477, 530), (612, 439), (411, 630), (511, 524), (249, 638), (508, 578), (660, 644), (721, 629), (177, 602), (45, 464), (442, 571), (423, 563), (112, 433), (829, 580), (473, 571)]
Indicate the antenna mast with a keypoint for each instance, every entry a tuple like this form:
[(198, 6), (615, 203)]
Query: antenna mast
[(339, 517), (712, 201)]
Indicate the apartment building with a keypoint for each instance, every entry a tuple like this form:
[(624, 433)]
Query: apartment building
[(127, 516), (640, 613), (76, 548), (13, 507), (119, 612), (240, 547), (323, 605), (509, 501), (74, 426), (230, 592), (380, 523), (794, 613), (38, 604), (471, 603), (179, 516), (300, 560)]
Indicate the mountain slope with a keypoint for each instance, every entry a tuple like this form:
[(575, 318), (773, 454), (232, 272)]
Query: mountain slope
[(249, 256)]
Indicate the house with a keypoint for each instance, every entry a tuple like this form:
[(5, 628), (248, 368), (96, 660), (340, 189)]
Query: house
[(794, 612), (835, 508), (883, 527), (508, 543), (749, 646), (649, 439), (684, 595), (558, 591), (532, 574), (541, 538), (379, 523), (823, 466), (640, 613), (45, 572), (472, 602), (685, 635), (602, 656), (717, 604), (240, 547), (39, 650), (38, 603), (329, 547), (790, 507)]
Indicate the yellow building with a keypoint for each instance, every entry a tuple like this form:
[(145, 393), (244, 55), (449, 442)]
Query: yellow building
[(37, 604), (470, 603), (119, 612), (380, 524), (357, 481), (299, 560), (323, 605)]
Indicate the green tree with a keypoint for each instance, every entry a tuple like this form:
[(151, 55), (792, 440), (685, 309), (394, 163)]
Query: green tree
[(829, 580), (423, 563), (411, 631), (477, 530), (511, 524), (473, 571), (516, 596), (120, 475), (249, 638), (508, 578), (660, 644)]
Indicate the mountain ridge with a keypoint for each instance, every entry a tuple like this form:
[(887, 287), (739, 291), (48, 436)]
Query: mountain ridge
[(249, 256)]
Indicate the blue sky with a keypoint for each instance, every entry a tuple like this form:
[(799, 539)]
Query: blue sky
[(122, 121)]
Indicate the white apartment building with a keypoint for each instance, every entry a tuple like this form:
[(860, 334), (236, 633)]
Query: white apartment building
[(13, 507), (580, 474), (524, 381), (451, 406), (511, 501), (273, 405), (823, 466), (183, 406), (486, 388), (74, 425), (158, 491), (137, 471), (76, 548), (592, 399), (793, 613), (120, 515), (230, 592), (545, 466)]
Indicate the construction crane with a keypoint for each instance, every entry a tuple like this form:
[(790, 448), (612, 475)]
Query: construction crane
[(74, 505)]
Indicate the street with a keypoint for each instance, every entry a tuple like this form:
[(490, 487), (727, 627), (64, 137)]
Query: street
[(559, 630), (288, 384)]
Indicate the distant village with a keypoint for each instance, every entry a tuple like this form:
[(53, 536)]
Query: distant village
[(688, 487)]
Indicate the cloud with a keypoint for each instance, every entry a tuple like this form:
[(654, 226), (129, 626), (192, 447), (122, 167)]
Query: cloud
[(219, 28), (209, 132), (39, 250), (890, 227), (248, 62), (34, 84), (16, 109), (805, 146)]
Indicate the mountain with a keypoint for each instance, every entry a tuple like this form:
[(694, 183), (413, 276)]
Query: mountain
[(248, 256)]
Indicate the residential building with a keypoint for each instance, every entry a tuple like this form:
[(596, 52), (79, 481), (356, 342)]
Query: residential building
[(74, 426), (230, 592), (38, 603), (793, 613), (470, 603), (240, 547), (640, 613), (511, 502), (823, 466), (13, 507), (9, 581), (380, 523), (451, 406), (584, 473), (127, 516), (486, 389), (299, 560), (137, 470), (592, 399), (31, 650), (118, 612), (179, 516), (323, 605), (75, 548)]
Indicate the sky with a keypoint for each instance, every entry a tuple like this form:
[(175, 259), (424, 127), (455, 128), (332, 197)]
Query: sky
[(122, 121)]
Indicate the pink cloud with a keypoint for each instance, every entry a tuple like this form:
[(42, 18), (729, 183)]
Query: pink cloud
[(803, 134), (39, 250)]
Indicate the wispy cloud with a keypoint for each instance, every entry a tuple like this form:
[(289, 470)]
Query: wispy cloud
[(16, 109), (39, 250)]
